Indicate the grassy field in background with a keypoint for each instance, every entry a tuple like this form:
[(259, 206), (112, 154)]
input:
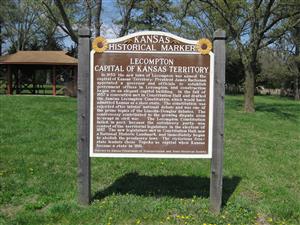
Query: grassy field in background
[(38, 168)]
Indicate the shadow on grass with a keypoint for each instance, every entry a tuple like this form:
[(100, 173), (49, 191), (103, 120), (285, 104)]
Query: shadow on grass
[(172, 186), (236, 104), (283, 111)]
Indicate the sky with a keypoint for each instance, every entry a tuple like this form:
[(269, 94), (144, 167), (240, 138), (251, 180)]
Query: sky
[(109, 13)]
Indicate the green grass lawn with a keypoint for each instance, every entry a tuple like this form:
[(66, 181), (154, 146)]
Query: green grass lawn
[(38, 167)]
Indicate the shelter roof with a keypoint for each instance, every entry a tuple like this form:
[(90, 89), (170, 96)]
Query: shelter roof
[(39, 57)]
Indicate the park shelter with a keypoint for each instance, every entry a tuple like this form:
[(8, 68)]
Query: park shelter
[(22, 70)]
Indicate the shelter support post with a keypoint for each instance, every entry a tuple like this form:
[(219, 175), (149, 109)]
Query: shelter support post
[(75, 73), (9, 90), (216, 177), (17, 73), (53, 80), (83, 98)]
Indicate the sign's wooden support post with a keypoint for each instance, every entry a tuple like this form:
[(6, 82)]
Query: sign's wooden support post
[(216, 176), (84, 172)]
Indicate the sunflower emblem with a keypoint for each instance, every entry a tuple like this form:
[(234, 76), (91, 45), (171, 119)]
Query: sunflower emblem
[(100, 44), (204, 46)]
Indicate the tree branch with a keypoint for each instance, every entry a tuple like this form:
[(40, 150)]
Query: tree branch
[(268, 13), (97, 17), (53, 18), (275, 21), (272, 39), (222, 14), (126, 18), (60, 6), (88, 13)]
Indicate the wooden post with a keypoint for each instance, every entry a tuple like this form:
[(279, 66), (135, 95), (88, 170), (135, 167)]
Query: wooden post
[(216, 177), (17, 76), (83, 98), (9, 81), (53, 80)]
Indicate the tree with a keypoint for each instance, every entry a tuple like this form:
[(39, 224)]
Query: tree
[(126, 8), (192, 20), (19, 19), (143, 15), (235, 74), (253, 25), (281, 63), (295, 61), (97, 17), (57, 13), (275, 72), (1, 35), (68, 15), (48, 37), (26, 27)]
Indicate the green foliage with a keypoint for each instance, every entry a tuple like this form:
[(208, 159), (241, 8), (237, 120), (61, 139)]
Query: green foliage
[(38, 169), (19, 19), (25, 27), (275, 70), (235, 73), (251, 25), (148, 15)]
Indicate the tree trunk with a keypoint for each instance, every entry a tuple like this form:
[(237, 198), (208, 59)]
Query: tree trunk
[(296, 87), (249, 88), (297, 54), (282, 89), (89, 14), (97, 17), (0, 36)]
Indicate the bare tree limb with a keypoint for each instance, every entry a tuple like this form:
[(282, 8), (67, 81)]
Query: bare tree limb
[(268, 13), (186, 8), (53, 18), (97, 17), (276, 20), (88, 13), (185, 12), (65, 18), (126, 18), (215, 5)]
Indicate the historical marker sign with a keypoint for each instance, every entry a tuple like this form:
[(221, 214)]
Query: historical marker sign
[(151, 96)]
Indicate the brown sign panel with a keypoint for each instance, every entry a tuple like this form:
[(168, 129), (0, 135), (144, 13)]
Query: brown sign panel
[(151, 97)]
